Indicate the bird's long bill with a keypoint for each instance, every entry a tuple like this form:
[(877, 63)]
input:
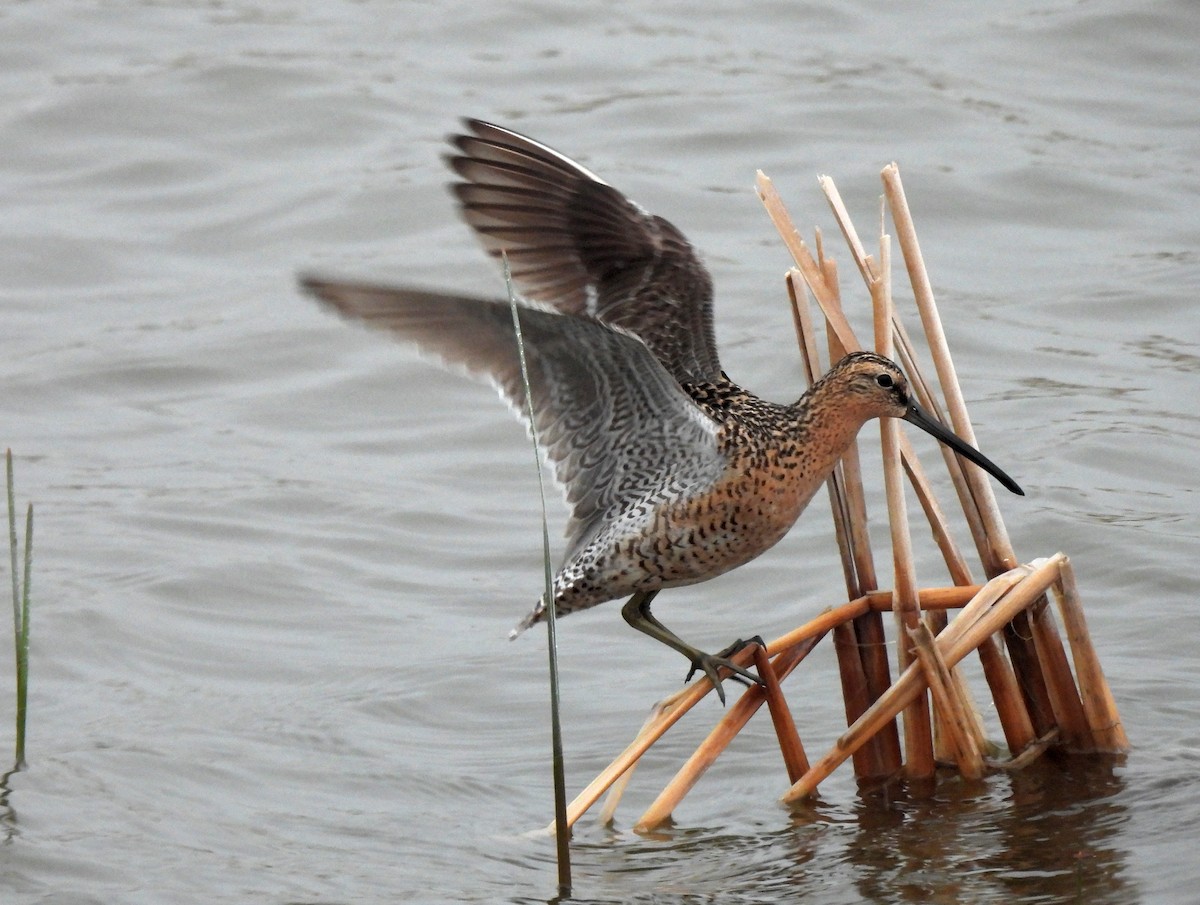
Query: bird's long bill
[(922, 419)]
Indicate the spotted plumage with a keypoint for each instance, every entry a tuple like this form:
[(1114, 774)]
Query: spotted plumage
[(673, 473)]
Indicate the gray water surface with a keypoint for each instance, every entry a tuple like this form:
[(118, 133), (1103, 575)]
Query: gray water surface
[(277, 558)]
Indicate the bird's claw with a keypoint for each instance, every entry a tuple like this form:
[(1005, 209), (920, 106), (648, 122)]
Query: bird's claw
[(739, 644), (709, 664)]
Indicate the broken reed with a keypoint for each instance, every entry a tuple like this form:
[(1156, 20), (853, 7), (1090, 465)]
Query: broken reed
[(1038, 701), (956, 712), (20, 598), (1036, 695)]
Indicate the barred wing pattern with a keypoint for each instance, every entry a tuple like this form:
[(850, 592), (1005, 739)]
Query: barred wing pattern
[(575, 242), (615, 425)]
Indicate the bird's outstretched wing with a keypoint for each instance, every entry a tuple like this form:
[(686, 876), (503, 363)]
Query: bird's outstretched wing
[(612, 420), (578, 244)]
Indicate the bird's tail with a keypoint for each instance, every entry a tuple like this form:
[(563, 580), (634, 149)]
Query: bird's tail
[(533, 618)]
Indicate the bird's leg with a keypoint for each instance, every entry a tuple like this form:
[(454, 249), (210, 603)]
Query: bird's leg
[(637, 613)]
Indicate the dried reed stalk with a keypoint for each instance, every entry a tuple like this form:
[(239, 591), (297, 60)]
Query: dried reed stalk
[(929, 598), (809, 269), (846, 225), (617, 789), (1037, 712), (1029, 754), (734, 720), (845, 480), (813, 274), (1018, 588), (790, 746), (918, 737), (925, 396), (1000, 554), (1002, 682), (860, 646), (668, 712), (993, 543), (1006, 694), (1064, 697), (885, 323), (666, 715), (958, 723), (978, 502), (671, 709), (955, 715), (1098, 704)]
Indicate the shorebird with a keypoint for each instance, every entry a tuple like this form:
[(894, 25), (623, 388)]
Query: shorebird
[(673, 473)]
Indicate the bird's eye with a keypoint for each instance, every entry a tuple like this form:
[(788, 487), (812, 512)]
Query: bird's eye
[(885, 381)]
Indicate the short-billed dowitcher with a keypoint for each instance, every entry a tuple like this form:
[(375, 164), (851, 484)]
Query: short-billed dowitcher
[(673, 473)]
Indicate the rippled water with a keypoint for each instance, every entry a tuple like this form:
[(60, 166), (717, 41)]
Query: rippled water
[(277, 558)]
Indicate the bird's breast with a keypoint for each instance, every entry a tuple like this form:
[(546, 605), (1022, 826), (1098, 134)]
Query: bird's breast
[(689, 535), (746, 512)]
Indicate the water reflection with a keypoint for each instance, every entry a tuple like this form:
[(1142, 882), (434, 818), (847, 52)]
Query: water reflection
[(1047, 833), (8, 814), (1050, 833)]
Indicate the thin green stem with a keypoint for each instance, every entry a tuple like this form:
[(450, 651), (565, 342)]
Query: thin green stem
[(23, 640), (12, 546), (562, 832), (20, 596)]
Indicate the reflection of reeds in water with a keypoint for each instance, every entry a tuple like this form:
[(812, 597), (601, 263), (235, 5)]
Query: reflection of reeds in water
[(1039, 701), (20, 597)]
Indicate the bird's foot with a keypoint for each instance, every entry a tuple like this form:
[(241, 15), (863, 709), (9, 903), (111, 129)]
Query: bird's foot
[(739, 644), (710, 664)]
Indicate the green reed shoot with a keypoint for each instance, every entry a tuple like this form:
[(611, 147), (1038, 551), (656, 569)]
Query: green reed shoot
[(562, 832), (20, 594)]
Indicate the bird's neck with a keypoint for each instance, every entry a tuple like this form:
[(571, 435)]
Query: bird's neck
[(827, 424)]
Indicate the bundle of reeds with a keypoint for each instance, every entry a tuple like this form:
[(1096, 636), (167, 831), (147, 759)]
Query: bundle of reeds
[(1039, 700)]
